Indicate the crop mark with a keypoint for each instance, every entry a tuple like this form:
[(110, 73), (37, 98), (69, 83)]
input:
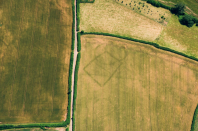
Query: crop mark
[(104, 69)]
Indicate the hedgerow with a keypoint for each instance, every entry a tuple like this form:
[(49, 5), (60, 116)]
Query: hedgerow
[(158, 4), (78, 14), (75, 89), (194, 119), (142, 41), (73, 26), (78, 42), (87, 1)]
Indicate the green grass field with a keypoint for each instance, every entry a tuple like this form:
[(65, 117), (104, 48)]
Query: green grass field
[(179, 37), (192, 4), (35, 46), (125, 85)]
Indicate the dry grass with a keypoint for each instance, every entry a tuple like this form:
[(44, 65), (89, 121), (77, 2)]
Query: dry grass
[(147, 10), (110, 17), (35, 46), (125, 85)]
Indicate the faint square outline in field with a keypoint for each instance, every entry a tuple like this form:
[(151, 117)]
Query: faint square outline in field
[(108, 76)]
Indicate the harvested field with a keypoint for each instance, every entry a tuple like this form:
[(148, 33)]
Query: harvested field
[(108, 16), (124, 85), (35, 46)]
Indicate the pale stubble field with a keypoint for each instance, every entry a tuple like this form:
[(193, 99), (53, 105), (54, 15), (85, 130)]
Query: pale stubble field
[(124, 85)]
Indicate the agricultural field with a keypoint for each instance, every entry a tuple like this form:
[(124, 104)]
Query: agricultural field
[(109, 16), (35, 47), (123, 17), (126, 85)]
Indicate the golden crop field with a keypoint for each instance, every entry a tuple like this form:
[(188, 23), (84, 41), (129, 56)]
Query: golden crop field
[(35, 47), (125, 85)]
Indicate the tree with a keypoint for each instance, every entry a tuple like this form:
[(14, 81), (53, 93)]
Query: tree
[(187, 20), (179, 8)]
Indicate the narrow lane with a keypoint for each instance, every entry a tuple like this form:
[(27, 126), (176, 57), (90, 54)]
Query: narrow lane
[(74, 65)]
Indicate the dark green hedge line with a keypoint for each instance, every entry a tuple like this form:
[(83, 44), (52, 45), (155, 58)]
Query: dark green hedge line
[(75, 89), (194, 119), (36, 125), (78, 42), (73, 26), (67, 129), (158, 4), (142, 41), (78, 14), (43, 125), (87, 1)]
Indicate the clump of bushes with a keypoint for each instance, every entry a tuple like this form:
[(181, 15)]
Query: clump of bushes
[(187, 20), (158, 4)]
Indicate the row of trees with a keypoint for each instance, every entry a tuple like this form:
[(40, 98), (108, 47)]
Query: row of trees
[(185, 19), (75, 89), (179, 10)]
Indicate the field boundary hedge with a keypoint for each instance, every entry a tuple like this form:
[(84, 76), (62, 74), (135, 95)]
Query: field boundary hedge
[(43, 125), (78, 14), (75, 89), (87, 1), (144, 42), (158, 4), (194, 119), (78, 42), (73, 26)]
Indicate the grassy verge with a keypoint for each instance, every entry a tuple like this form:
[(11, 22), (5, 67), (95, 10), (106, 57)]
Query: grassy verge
[(75, 89), (78, 42)]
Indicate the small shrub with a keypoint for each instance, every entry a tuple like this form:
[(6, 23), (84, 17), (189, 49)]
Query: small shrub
[(122, 2)]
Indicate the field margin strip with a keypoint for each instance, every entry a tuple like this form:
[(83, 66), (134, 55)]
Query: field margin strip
[(144, 42), (75, 89)]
